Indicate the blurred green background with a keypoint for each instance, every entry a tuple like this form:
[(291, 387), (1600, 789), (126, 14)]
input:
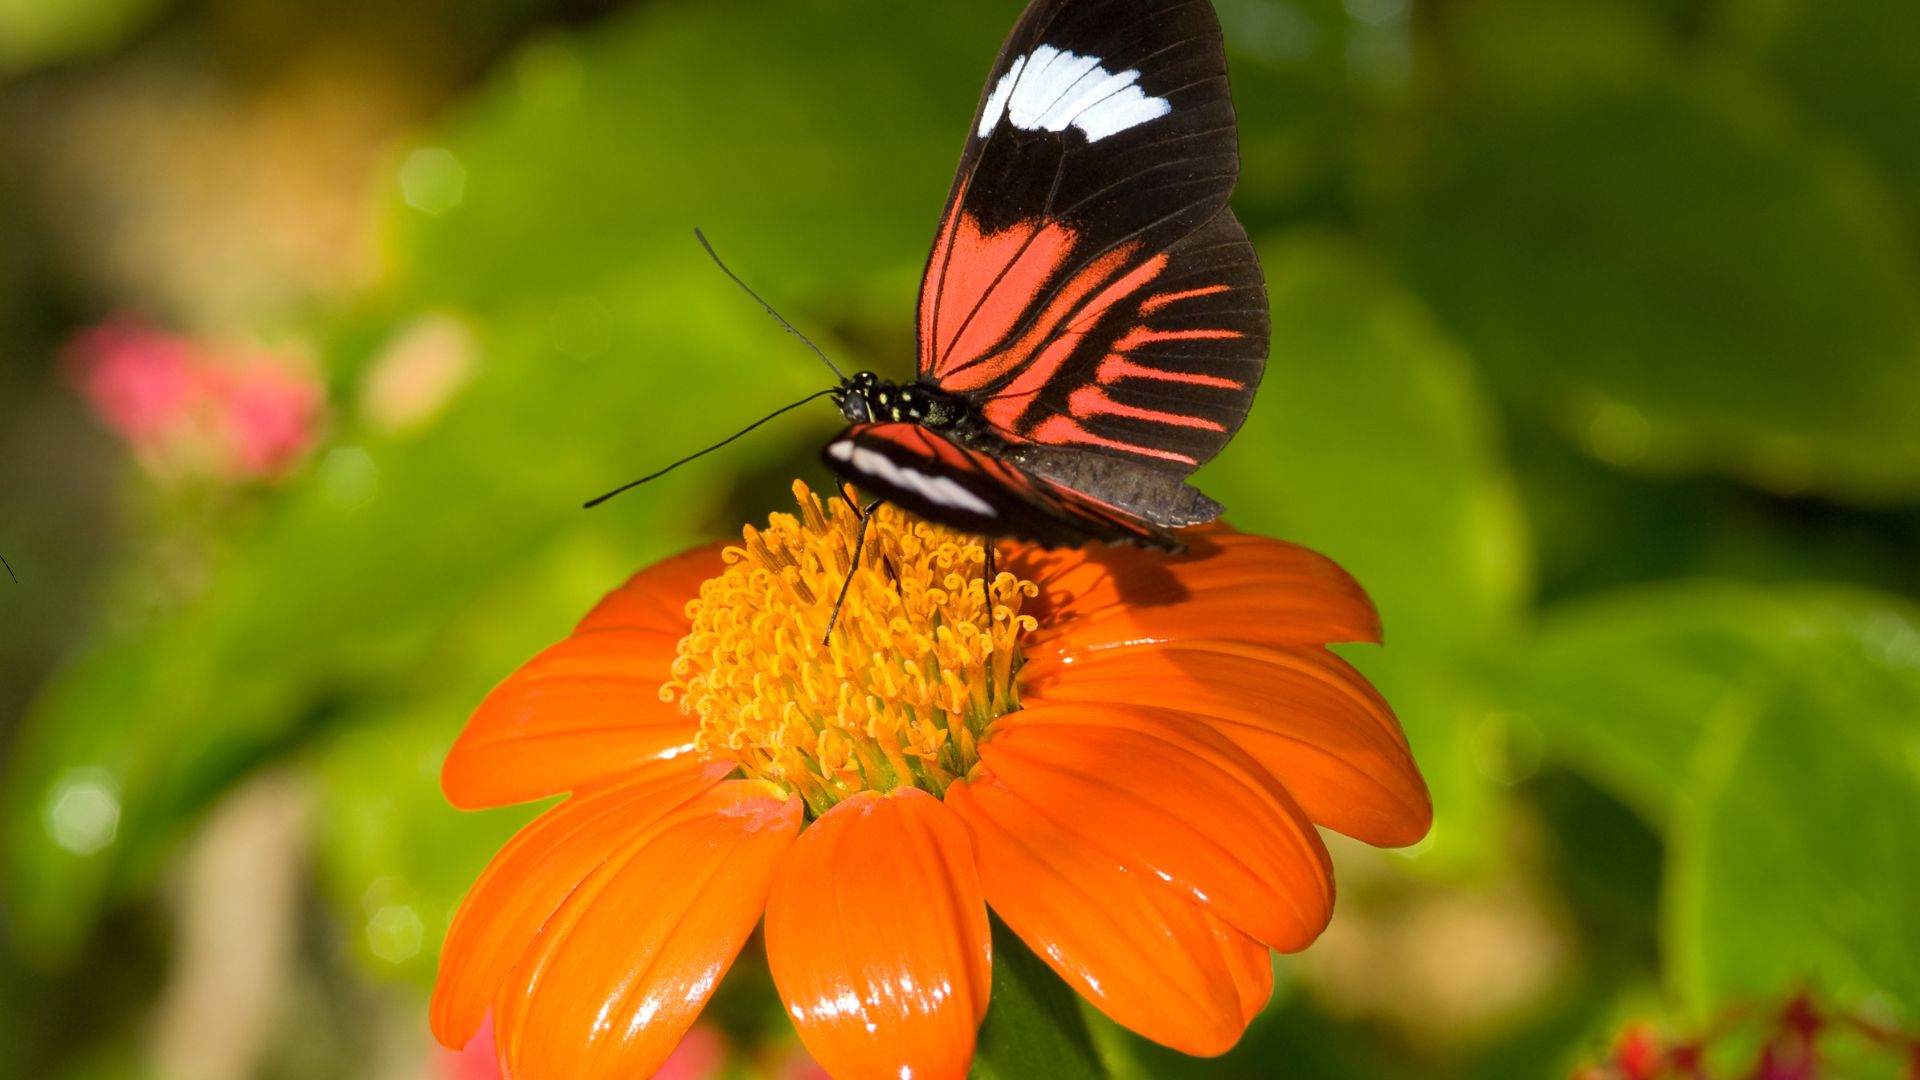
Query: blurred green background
[(1596, 358)]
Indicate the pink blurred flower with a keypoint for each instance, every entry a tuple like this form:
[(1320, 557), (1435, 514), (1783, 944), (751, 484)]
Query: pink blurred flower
[(475, 1062), (140, 381), (269, 414), (192, 409)]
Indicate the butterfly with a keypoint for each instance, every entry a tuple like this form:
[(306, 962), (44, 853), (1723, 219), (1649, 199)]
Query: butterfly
[(1093, 321)]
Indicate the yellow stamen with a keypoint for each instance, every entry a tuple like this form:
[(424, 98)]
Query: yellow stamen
[(920, 665)]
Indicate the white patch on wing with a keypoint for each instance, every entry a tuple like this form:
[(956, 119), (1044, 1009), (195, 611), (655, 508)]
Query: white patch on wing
[(997, 104), (1052, 90), (940, 490)]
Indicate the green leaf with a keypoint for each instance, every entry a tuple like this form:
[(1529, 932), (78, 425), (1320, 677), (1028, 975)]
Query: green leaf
[(1678, 275), (1623, 684), (1034, 1026), (1370, 442), (1774, 736), (1794, 859), (1851, 65)]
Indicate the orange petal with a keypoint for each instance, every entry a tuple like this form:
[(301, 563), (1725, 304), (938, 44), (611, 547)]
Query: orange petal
[(1230, 585), (1143, 954), (655, 599), (1165, 797), (530, 878), (1249, 963), (589, 707), (618, 974), (877, 936), (1305, 715)]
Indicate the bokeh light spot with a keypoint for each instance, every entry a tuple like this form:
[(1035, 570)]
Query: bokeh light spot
[(1893, 639), (83, 810), (395, 933), (433, 181), (1277, 33), (1376, 12), (348, 478)]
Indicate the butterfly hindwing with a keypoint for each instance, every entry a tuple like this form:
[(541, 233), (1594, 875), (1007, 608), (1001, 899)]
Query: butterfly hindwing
[(1088, 288), (1162, 374), (938, 479)]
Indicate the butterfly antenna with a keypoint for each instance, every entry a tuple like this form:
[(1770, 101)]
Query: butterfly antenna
[(715, 256), (9, 566), (742, 433)]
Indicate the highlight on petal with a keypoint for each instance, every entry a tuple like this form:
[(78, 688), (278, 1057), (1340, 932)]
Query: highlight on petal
[(619, 972), (1140, 952), (1305, 715), (587, 708), (535, 873), (878, 939), (1229, 585), (1167, 798)]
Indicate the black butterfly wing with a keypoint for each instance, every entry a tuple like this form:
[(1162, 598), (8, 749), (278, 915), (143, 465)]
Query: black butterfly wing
[(930, 475), (1088, 288)]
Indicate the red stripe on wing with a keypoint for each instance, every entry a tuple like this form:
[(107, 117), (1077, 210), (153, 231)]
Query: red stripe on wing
[(1023, 357), (1025, 372), (1091, 401), (1066, 431), (1154, 304), (1159, 363), (1115, 368), (982, 285), (1143, 335)]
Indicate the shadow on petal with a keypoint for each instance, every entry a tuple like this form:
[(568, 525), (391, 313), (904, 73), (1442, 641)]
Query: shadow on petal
[(1305, 715)]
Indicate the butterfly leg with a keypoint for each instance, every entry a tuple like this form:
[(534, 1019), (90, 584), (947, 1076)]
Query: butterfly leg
[(846, 495), (859, 549), (987, 577)]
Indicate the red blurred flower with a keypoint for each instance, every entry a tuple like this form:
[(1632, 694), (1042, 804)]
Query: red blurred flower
[(1125, 755), (1798, 1040), (187, 408)]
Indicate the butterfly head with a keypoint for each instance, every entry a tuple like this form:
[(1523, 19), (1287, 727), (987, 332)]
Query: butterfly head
[(866, 398)]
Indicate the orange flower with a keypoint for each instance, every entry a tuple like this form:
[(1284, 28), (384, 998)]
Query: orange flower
[(1123, 754)]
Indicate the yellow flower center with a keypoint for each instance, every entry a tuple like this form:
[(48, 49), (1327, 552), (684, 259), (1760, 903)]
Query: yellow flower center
[(919, 666)]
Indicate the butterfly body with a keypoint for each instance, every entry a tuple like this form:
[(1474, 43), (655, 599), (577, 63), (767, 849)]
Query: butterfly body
[(866, 398), (1092, 320)]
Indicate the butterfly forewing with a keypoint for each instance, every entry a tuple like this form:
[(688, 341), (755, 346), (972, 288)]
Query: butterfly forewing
[(938, 479), (1088, 287)]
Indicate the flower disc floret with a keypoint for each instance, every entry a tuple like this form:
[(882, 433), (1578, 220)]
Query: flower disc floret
[(921, 663)]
